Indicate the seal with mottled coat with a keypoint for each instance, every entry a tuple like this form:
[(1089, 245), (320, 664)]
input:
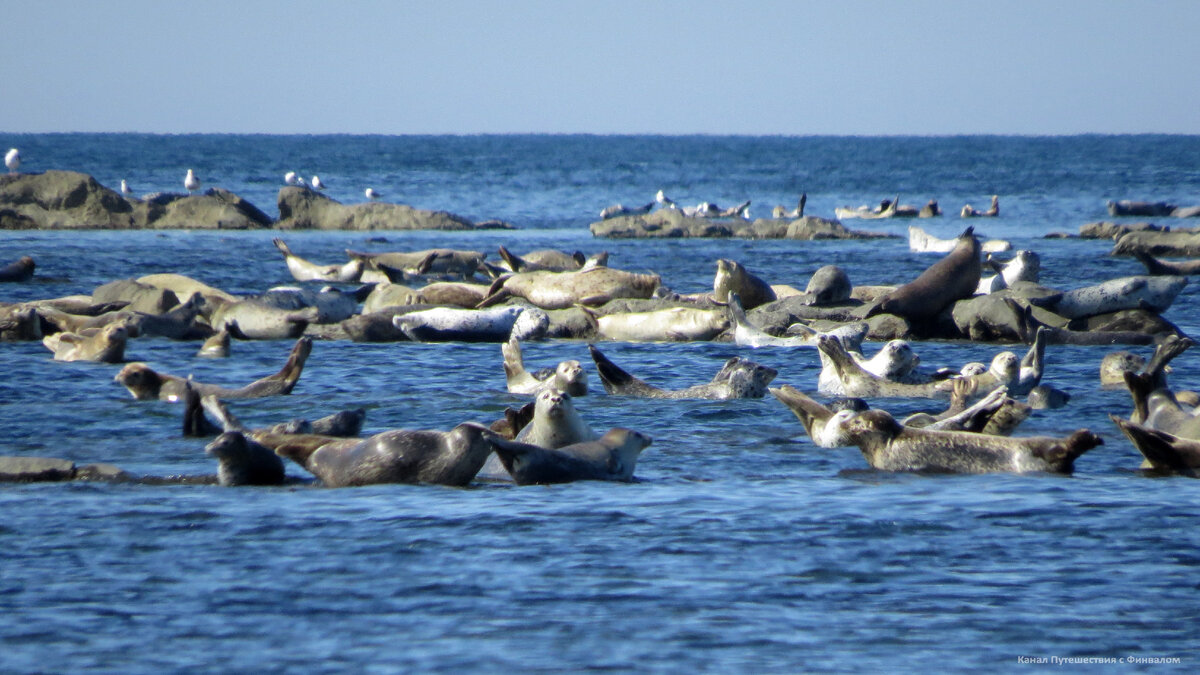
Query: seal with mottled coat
[(672, 324), (303, 270), (1135, 292), (567, 377), (888, 445), (612, 457), (496, 324), (555, 423), (561, 290), (738, 378)]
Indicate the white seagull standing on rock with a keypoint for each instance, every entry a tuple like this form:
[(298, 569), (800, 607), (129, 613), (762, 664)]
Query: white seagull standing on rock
[(317, 184), (291, 179), (190, 182), (372, 194), (125, 189), (12, 159)]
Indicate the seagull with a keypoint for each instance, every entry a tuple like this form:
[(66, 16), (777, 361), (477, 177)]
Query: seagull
[(664, 200), (190, 182), (317, 184), (12, 159), (125, 189), (290, 178), (372, 194)]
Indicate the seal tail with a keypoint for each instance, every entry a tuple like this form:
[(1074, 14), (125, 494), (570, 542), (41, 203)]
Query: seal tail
[(1061, 456), (514, 262), (1140, 386), (1164, 353), (616, 380), (1163, 451)]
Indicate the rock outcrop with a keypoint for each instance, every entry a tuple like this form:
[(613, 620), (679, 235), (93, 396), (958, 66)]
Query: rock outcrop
[(672, 223), (303, 209), (1174, 243)]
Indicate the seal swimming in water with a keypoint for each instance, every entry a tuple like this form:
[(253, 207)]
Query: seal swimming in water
[(889, 446), (103, 345), (216, 346), (242, 461), (612, 457), (954, 277), (19, 270), (822, 423), (561, 290), (146, 385), (993, 211), (555, 423), (858, 382), (567, 377), (1158, 268), (732, 277), (1162, 451), (1114, 365), (738, 378), (303, 270), (397, 456)]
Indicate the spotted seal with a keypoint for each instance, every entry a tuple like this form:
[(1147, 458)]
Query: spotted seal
[(567, 377), (738, 378), (612, 457), (146, 384), (303, 270), (822, 423), (889, 446), (496, 324), (1133, 292)]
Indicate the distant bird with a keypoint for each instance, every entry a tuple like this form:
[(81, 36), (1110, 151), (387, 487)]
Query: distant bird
[(12, 159), (317, 184), (125, 189), (372, 194), (664, 200), (190, 182), (291, 179)]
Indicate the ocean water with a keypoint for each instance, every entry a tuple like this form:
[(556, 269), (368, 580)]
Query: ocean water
[(742, 547)]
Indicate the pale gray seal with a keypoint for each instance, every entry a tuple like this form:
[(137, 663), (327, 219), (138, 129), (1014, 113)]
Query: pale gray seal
[(19, 270), (544, 259), (303, 270), (993, 211), (242, 461), (889, 446), (952, 278), (612, 457), (146, 385), (921, 241), (333, 305), (822, 423), (1114, 365), (252, 320), (829, 285), (398, 456), (1134, 292), (738, 378), (672, 324), (496, 324), (732, 277), (452, 293), (554, 423), (568, 377), (617, 210), (855, 381), (103, 345), (560, 290)]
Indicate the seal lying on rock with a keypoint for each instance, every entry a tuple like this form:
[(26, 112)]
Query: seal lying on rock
[(253, 320), (889, 446), (612, 457), (103, 345), (954, 277), (561, 290), (303, 270), (544, 260), (497, 324), (242, 461), (921, 241), (568, 377), (672, 324), (732, 277), (1135, 292), (432, 261), (146, 385), (746, 334), (738, 378), (398, 456)]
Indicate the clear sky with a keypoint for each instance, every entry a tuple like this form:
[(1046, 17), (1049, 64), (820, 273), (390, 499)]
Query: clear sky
[(601, 66)]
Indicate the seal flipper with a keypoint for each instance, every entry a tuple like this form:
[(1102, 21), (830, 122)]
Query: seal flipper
[(1163, 451), (616, 380), (515, 263), (195, 424)]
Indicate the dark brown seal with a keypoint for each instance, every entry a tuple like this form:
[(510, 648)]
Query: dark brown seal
[(146, 384), (242, 461), (612, 457), (954, 277), (19, 270), (1163, 451)]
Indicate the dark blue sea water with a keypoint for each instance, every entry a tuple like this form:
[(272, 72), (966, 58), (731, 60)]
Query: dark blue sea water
[(743, 547)]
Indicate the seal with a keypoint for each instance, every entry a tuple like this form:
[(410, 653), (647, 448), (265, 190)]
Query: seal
[(993, 211), (1154, 266), (746, 334), (1126, 207), (732, 277), (19, 270), (147, 385), (555, 423), (20, 322), (332, 304), (344, 423), (242, 461), (397, 456), (829, 285), (921, 241), (617, 210), (102, 345), (561, 290), (952, 278), (1045, 397), (612, 457), (1163, 451), (1033, 364), (568, 377), (1114, 365), (822, 424), (860, 383), (431, 261), (453, 293), (216, 346), (543, 260), (889, 446), (253, 320), (738, 378), (446, 324), (887, 209), (673, 324), (1135, 292), (1024, 266), (895, 362), (184, 286), (387, 294), (303, 270)]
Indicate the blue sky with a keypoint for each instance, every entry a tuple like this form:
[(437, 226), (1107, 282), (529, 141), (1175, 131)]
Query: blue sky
[(514, 66)]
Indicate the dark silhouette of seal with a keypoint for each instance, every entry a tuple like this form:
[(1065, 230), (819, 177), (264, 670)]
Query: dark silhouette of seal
[(146, 384), (398, 456), (613, 457), (18, 270), (1159, 268), (954, 277), (889, 446), (241, 461)]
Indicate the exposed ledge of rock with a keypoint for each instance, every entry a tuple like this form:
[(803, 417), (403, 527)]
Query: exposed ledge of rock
[(1110, 230), (303, 209), (1174, 243), (671, 223)]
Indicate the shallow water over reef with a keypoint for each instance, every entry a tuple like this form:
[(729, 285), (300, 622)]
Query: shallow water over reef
[(741, 547)]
